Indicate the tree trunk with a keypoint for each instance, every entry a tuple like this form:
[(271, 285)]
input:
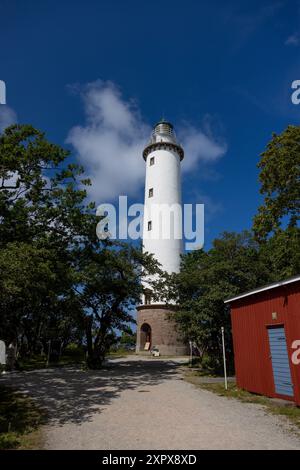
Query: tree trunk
[(94, 357)]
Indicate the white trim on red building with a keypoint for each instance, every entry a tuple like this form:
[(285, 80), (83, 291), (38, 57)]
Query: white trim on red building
[(261, 289)]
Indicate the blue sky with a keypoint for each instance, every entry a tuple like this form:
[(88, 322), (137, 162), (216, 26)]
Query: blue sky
[(220, 71)]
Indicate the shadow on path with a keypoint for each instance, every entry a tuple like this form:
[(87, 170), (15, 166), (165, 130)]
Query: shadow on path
[(73, 395)]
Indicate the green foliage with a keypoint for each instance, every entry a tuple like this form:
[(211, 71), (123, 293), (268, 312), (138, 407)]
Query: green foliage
[(240, 262), (281, 253), (110, 287), (40, 209), (19, 416), (70, 356), (279, 177), (57, 280), (32, 279), (231, 266), (128, 338)]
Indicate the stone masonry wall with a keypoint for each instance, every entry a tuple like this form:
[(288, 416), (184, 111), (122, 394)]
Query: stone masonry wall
[(164, 334)]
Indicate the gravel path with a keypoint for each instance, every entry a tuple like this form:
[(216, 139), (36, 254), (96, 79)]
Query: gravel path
[(143, 403)]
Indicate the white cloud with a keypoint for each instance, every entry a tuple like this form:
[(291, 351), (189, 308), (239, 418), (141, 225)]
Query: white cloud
[(199, 146), (7, 117), (110, 143), (11, 180), (293, 40)]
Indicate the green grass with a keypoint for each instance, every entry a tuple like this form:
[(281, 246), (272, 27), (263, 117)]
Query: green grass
[(288, 409), (199, 372), (20, 419), (70, 357), (31, 363), (119, 353)]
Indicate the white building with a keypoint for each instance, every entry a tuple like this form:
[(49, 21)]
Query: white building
[(162, 235)]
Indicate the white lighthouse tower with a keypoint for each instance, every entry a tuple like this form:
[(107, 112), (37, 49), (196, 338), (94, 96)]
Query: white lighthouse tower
[(162, 236)]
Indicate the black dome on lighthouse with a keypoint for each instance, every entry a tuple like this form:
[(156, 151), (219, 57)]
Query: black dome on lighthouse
[(166, 123)]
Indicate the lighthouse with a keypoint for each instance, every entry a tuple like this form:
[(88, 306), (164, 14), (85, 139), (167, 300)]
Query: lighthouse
[(162, 237)]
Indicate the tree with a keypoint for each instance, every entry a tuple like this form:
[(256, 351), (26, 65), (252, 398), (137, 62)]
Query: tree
[(281, 253), (279, 177), (128, 338), (42, 213), (233, 265), (57, 279), (108, 289), (34, 285), (39, 193)]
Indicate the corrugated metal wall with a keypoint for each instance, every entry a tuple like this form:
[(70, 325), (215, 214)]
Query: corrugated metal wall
[(251, 317)]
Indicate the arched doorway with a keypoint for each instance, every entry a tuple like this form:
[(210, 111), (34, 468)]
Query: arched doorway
[(145, 337)]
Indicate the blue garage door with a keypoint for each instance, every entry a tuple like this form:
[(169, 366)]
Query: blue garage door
[(280, 362)]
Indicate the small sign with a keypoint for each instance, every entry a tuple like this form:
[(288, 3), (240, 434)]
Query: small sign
[(147, 346), (2, 92), (2, 353)]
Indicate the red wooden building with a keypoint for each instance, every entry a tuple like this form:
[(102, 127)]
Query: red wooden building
[(266, 339)]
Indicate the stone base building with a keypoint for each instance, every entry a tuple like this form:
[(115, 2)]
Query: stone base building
[(155, 326)]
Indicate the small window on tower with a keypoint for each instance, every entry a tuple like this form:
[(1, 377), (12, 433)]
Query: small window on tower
[(151, 161), (151, 192), (149, 225)]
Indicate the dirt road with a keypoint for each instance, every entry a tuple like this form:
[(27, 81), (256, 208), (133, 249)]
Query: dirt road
[(143, 403)]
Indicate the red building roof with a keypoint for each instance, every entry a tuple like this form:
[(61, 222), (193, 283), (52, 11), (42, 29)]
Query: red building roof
[(267, 287)]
